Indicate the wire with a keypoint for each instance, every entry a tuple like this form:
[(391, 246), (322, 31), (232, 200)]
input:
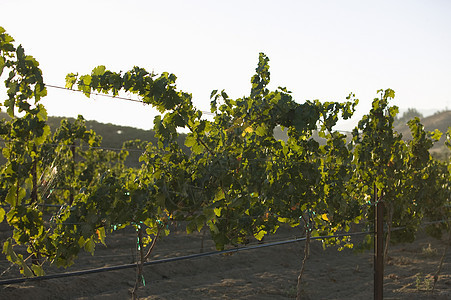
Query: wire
[(171, 259), (97, 94), (186, 257), (142, 102), (111, 96)]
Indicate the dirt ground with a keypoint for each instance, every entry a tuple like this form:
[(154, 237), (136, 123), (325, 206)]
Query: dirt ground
[(264, 273)]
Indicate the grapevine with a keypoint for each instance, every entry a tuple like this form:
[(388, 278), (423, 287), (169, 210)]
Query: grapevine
[(232, 175)]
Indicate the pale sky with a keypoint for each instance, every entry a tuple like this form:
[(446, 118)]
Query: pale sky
[(318, 49)]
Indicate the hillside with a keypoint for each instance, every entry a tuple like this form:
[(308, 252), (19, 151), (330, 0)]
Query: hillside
[(113, 136), (440, 121)]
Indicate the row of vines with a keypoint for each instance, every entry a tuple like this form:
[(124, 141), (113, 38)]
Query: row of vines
[(61, 193)]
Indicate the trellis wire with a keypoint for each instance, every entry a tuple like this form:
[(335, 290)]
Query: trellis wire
[(172, 259)]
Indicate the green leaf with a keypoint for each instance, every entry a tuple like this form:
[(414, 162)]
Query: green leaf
[(71, 79), (213, 93), (84, 85), (98, 71), (41, 139), (261, 131), (200, 222), (2, 64), (42, 113), (191, 227), (26, 270), (197, 148), (283, 220), (11, 196), (2, 214), (259, 235), (209, 213), (38, 270), (213, 228), (90, 246), (435, 135), (9, 252), (81, 242), (218, 211), (389, 93), (101, 234), (219, 195), (224, 95), (39, 91)]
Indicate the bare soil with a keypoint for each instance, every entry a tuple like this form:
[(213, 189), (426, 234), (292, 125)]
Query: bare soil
[(264, 273)]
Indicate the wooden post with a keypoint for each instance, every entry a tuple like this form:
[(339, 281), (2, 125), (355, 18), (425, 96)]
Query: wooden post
[(378, 248)]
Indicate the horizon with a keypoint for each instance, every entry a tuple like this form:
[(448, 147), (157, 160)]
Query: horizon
[(425, 114)]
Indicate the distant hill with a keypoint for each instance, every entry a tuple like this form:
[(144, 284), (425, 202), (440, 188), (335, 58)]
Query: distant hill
[(113, 136), (440, 121)]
